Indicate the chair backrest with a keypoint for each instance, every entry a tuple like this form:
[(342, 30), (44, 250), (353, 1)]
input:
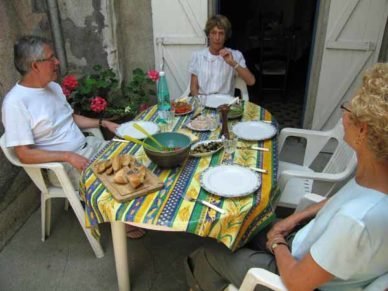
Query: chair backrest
[(242, 86), (239, 84), (33, 172), (9, 153)]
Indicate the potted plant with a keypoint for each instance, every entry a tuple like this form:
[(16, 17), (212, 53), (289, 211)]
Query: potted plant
[(100, 94)]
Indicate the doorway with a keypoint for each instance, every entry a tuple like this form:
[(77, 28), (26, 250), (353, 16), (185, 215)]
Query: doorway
[(283, 94)]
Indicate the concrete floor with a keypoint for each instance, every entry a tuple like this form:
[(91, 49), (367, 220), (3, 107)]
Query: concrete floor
[(65, 261)]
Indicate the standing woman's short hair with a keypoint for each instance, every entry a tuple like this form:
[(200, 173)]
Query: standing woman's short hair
[(26, 50), (222, 22)]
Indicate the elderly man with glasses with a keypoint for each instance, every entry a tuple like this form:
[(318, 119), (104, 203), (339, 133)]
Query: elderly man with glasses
[(39, 123)]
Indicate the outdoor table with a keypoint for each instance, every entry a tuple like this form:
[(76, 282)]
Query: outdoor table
[(166, 210)]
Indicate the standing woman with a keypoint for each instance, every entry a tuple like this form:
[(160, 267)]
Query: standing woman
[(214, 68)]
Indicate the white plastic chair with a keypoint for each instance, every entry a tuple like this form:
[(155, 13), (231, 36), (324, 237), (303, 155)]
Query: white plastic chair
[(239, 84), (296, 180), (262, 277), (48, 191)]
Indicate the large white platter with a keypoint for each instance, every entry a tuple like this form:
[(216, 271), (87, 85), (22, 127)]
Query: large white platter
[(215, 100), (230, 181), (254, 130), (128, 129)]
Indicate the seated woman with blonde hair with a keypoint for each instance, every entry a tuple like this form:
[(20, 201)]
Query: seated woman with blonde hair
[(213, 69), (344, 246)]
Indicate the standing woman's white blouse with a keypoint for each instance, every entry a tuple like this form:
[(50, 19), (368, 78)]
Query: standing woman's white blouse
[(214, 75)]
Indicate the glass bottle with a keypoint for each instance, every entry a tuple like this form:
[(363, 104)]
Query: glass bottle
[(163, 94)]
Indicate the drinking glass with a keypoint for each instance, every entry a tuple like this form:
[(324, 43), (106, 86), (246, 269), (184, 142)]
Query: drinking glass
[(230, 145), (167, 119), (202, 101), (215, 118)]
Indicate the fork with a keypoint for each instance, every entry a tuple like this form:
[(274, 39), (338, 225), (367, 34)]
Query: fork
[(216, 208)]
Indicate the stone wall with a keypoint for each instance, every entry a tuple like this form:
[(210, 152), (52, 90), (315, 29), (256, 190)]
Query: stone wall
[(18, 196), (106, 32)]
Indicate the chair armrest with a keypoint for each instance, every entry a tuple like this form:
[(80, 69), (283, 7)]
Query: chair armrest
[(309, 199), (94, 131), (51, 165), (315, 141), (324, 177), (259, 276)]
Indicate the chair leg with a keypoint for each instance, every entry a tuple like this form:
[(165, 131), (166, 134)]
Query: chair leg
[(43, 216), (80, 213), (45, 205), (66, 204)]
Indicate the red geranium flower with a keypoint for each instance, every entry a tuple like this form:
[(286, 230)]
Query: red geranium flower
[(98, 104), (70, 82), (153, 75)]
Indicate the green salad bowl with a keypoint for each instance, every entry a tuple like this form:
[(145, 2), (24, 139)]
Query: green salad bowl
[(176, 149)]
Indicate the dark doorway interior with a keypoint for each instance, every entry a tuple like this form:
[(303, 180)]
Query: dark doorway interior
[(275, 37)]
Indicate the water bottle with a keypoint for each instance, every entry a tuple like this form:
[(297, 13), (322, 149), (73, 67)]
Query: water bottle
[(163, 96)]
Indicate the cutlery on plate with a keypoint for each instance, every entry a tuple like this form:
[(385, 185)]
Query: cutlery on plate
[(259, 170), (208, 204), (254, 148), (235, 100)]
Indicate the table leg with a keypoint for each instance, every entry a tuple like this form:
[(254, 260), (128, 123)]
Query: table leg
[(119, 239)]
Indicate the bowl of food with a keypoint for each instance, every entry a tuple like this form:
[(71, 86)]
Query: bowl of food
[(174, 150)]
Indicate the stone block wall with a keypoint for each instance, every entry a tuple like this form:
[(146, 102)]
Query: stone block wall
[(106, 32)]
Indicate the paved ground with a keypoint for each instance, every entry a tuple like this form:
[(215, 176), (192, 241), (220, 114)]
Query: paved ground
[(65, 260)]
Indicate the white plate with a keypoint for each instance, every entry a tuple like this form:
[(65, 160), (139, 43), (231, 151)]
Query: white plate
[(128, 129), (204, 143), (230, 181), (215, 100), (254, 130)]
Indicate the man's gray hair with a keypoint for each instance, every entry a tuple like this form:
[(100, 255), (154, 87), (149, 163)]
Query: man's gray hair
[(28, 49)]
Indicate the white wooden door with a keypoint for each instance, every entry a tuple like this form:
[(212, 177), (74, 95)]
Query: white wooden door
[(354, 33), (178, 31)]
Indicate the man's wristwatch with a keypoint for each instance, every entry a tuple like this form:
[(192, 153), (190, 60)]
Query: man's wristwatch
[(276, 244)]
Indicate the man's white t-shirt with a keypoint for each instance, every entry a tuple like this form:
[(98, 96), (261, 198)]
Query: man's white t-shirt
[(214, 75), (40, 117), (348, 237)]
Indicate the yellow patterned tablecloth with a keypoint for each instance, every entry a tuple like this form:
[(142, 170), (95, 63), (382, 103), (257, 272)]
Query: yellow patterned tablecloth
[(244, 217)]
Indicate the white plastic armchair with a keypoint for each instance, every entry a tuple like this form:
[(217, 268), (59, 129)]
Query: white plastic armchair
[(48, 192), (262, 277), (239, 84), (295, 180)]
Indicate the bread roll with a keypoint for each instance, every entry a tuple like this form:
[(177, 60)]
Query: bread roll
[(137, 176), (127, 160), (120, 176), (116, 163)]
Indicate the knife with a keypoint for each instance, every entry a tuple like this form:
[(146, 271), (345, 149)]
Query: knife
[(254, 148)]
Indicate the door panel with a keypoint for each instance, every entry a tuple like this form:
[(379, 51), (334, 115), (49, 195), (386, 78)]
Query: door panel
[(178, 31), (354, 33)]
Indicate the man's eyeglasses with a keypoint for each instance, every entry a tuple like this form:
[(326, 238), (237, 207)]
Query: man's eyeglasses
[(344, 106), (49, 59)]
